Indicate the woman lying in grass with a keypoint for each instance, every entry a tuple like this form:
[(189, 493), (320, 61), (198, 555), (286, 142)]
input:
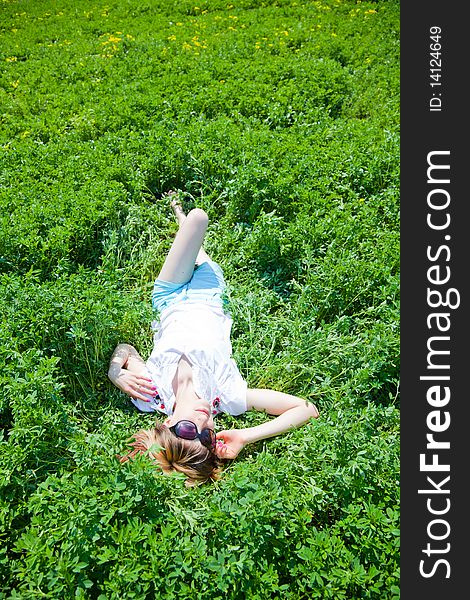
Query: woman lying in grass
[(190, 375)]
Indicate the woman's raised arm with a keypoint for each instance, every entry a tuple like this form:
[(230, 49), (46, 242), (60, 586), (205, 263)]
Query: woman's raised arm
[(291, 412), (128, 372)]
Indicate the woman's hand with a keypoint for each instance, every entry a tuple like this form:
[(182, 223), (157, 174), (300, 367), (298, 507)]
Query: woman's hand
[(229, 443), (128, 372), (133, 385)]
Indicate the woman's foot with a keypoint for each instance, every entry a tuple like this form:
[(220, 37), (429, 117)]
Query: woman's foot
[(176, 206)]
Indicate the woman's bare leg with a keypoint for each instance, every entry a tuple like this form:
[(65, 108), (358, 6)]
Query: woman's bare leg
[(181, 258), (180, 215)]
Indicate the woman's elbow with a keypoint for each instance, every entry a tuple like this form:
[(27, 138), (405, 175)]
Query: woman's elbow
[(312, 411)]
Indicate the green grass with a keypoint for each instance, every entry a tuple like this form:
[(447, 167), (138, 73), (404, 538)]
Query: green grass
[(281, 120)]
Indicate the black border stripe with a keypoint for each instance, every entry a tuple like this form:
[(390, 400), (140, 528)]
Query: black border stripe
[(424, 131)]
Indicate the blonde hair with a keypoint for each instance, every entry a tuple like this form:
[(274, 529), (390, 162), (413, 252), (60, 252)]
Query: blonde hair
[(172, 453)]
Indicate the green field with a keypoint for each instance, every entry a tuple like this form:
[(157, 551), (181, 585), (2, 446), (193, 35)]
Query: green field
[(281, 120)]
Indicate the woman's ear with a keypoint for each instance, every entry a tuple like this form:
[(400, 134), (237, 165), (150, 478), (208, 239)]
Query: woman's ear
[(168, 422)]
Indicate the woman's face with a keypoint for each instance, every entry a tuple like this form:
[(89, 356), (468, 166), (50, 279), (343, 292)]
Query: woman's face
[(196, 410)]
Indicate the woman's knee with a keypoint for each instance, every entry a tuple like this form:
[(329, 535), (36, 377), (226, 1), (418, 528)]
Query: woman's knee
[(198, 217)]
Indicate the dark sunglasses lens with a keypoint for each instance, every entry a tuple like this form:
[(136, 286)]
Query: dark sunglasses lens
[(207, 438), (186, 430)]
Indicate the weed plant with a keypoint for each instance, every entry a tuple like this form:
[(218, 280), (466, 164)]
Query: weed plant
[(281, 120)]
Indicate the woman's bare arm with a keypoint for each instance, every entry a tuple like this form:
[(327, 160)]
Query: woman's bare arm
[(128, 372), (291, 412)]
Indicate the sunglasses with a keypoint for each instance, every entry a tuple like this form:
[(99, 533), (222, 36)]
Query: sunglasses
[(187, 430)]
